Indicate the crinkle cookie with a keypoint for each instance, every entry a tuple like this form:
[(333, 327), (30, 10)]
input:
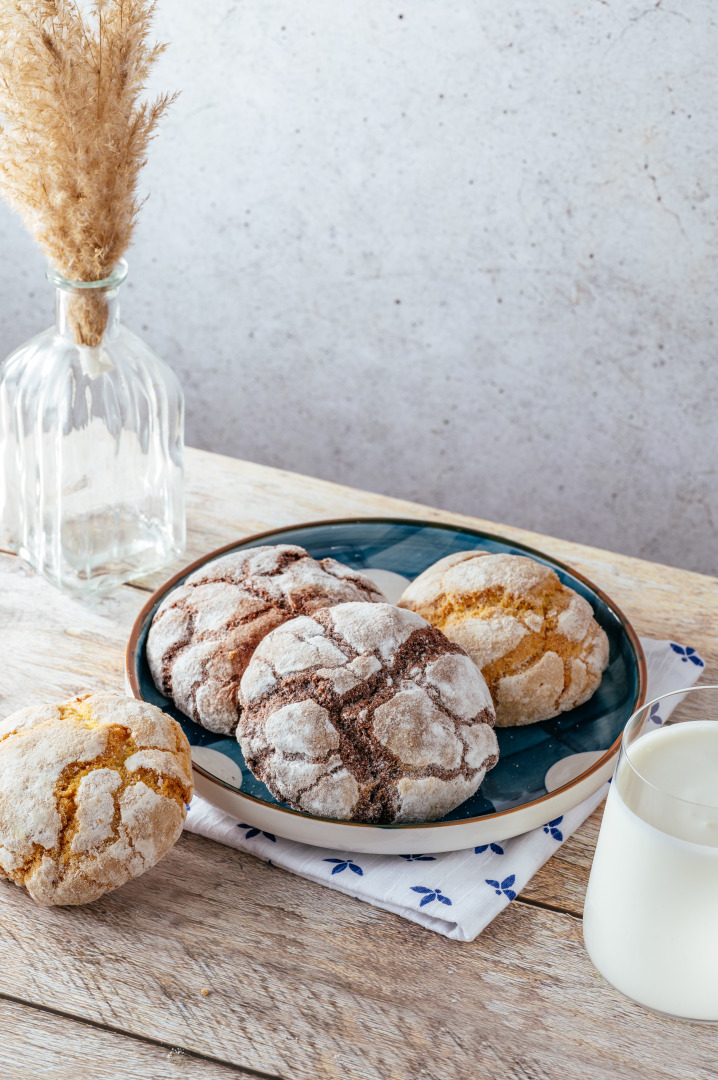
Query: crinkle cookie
[(92, 793), (364, 712), (204, 633), (535, 640)]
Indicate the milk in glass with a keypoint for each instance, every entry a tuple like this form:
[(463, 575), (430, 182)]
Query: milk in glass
[(651, 913)]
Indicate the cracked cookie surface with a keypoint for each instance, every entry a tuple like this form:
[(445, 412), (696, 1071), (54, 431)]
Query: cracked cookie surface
[(92, 793), (535, 640), (364, 712), (204, 633)]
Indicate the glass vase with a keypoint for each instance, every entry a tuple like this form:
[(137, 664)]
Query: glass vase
[(91, 446)]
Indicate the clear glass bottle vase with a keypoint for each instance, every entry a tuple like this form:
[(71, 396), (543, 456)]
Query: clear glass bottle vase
[(91, 446)]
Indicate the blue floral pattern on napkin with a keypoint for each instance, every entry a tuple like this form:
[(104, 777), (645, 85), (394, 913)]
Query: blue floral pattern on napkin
[(653, 714), (552, 828), (430, 895), (503, 887), (686, 654), (251, 832), (344, 864)]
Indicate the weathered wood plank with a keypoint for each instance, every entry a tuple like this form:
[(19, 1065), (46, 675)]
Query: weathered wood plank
[(37, 1043), (308, 984), (53, 647)]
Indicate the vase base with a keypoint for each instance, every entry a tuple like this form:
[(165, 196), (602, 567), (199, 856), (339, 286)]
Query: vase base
[(101, 551), (100, 584)]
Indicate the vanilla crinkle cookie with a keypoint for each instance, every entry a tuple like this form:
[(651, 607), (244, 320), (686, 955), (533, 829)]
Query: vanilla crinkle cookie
[(364, 712), (204, 633), (92, 793), (535, 640)]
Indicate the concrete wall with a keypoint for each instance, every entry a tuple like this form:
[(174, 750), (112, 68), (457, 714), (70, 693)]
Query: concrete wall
[(462, 252)]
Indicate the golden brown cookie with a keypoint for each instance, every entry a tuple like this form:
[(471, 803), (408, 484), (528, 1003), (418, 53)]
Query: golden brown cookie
[(92, 793), (535, 640)]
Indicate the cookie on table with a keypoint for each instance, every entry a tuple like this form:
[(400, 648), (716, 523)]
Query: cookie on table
[(535, 640), (92, 793), (364, 712), (204, 633)]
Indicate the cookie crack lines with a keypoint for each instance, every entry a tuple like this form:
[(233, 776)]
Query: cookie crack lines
[(535, 640), (205, 631), (248, 580), (93, 793), (337, 719), (307, 791), (66, 792), (453, 605)]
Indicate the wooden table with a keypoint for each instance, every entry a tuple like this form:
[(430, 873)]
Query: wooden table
[(304, 982)]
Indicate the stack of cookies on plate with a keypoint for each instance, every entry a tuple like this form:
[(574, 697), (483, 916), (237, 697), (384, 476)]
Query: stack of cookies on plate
[(352, 708)]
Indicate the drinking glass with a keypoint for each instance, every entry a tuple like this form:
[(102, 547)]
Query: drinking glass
[(651, 912)]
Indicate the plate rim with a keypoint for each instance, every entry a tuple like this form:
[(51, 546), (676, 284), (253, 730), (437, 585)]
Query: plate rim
[(158, 595)]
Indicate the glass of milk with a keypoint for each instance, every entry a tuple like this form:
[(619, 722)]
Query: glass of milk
[(651, 913)]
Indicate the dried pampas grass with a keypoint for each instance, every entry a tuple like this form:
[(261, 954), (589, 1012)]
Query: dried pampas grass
[(74, 132)]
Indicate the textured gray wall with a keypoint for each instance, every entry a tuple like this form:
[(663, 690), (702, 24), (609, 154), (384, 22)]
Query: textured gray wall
[(461, 252)]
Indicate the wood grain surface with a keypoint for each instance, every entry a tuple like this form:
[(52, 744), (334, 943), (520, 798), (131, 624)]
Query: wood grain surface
[(53, 1046), (305, 982)]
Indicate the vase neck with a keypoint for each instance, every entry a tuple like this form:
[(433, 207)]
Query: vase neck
[(88, 312), (90, 317)]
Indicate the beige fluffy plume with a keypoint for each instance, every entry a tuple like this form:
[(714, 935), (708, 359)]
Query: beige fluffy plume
[(74, 130)]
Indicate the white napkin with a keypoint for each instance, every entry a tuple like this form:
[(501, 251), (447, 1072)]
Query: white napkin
[(457, 893)]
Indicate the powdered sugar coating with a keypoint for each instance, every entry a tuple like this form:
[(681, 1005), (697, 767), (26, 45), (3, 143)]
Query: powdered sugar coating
[(206, 630), (92, 793), (535, 640), (417, 731), (364, 712)]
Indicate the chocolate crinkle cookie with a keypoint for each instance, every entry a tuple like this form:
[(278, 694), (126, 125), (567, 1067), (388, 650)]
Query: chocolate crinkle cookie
[(92, 793), (535, 640), (364, 712), (206, 630)]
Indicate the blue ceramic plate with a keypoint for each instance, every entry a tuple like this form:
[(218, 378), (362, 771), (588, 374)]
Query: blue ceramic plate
[(544, 769)]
